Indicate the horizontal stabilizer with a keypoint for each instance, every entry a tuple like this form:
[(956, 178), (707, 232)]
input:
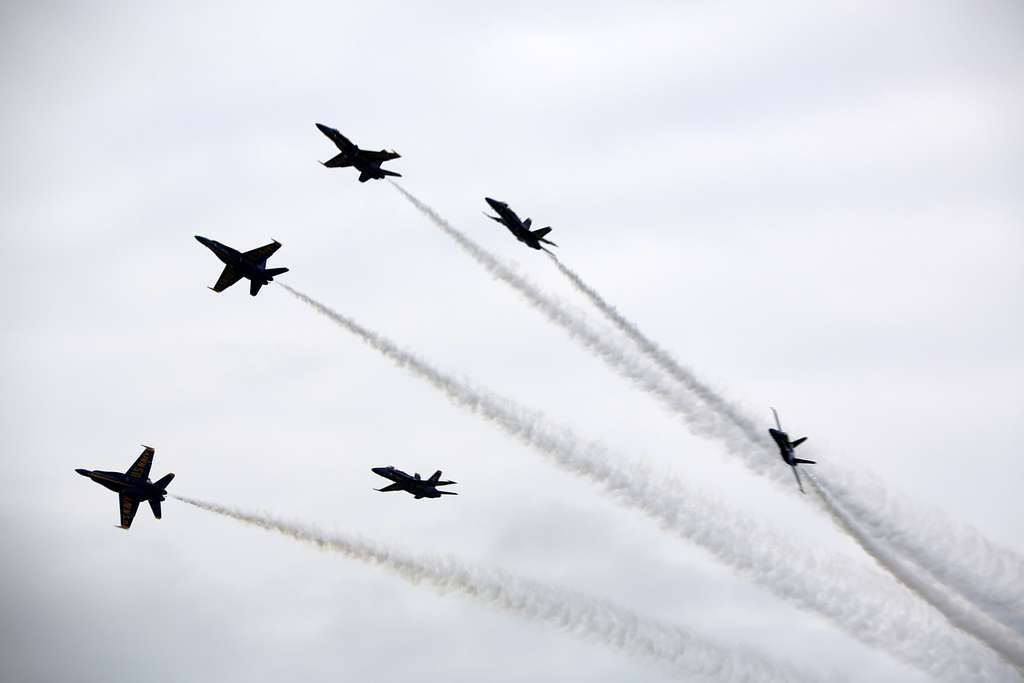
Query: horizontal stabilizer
[(540, 232), (154, 504), (392, 173), (448, 493), (799, 441), (805, 462), (274, 272), (163, 481)]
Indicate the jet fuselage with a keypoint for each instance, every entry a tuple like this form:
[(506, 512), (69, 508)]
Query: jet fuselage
[(421, 488), (250, 270), (785, 447), (119, 482), (519, 228)]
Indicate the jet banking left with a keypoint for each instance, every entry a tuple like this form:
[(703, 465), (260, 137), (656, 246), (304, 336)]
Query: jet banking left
[(250, 264), (366, 161), (133, 486)]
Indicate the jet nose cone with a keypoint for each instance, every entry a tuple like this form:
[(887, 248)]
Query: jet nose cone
[(202, 240), (84, 473), (378, 470), (323, 128)]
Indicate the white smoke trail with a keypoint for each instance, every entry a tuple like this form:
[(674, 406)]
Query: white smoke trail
[(959, 612), (862, 603), (620, 358), (578, 614), (989, 576)]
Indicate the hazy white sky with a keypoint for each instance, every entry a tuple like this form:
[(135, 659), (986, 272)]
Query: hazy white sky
[(817, 206)]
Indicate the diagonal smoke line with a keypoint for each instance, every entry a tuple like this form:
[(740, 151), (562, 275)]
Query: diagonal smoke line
[(583, 616), (621, 359), (989, 576), (862, 603), (959, 612), (992, 578)]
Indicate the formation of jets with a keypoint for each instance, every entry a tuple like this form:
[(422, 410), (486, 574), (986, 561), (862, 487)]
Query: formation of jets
[(134, 486)]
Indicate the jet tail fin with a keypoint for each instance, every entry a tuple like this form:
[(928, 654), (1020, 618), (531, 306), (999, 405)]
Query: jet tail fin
[(154, 504), (163, 481), (448, 493), (274, 272), (799, 441), (805, 462), (391, 173), (435, 477)]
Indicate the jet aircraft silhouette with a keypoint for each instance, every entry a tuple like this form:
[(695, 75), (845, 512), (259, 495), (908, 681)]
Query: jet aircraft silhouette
[(366, 161), (250, 264), (786, 449), (420, 488), (519, 228), (133, 486)]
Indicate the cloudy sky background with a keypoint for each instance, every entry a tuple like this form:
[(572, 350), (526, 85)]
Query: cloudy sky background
[(816, 207)]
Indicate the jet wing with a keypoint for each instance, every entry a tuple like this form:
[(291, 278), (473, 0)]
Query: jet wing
[(383, 155), (140, 470), (342, 142), (129, 506), (261, 254), (227, 278)]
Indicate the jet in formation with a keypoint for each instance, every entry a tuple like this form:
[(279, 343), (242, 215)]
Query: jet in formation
[(787, 449), (412, 483), (133, 486), (521, 229), (366, 161), (248, 264)]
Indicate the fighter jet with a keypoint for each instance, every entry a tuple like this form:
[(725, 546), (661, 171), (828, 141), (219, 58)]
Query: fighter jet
[(420, 488), (366, 161), (521, 229), (249, 264), (786, 449), (133, 486)]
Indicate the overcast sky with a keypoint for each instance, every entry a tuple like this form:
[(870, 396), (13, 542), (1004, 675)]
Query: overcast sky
[(817, 206)]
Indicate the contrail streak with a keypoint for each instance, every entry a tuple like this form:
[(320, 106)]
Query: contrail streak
[(862, 603), (960, 613), (989, 576), (578, 614)]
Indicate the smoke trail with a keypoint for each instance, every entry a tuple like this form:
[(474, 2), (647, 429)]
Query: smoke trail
[(678, 399), (959, 612), (862, 603), (990, 577), (580, 615)]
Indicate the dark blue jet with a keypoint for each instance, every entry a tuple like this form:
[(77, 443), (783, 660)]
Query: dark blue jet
[(420, 488), (521, 229), (786, 449), (133, 486), (248, 264), (366, 161)]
